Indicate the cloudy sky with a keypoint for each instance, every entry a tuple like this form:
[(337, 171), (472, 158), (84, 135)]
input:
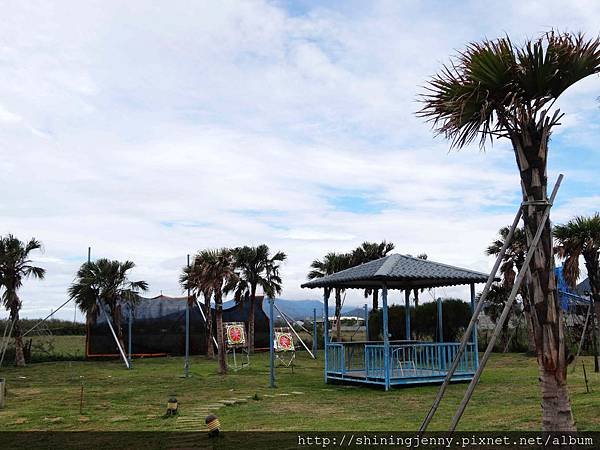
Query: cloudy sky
[(151, 131)]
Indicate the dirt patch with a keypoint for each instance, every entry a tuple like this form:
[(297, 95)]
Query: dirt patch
[(19, 421), (53, 419)]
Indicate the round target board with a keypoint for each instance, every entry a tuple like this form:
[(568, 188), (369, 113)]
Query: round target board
[(235, 334), (285, 342)]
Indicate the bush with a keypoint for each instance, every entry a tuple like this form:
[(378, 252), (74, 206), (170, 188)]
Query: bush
[(456, 315)]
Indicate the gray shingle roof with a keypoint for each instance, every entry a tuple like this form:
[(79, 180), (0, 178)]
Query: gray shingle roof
[(399, 272)]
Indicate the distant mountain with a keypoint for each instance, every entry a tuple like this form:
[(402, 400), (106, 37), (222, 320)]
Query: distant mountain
[(302, 309)]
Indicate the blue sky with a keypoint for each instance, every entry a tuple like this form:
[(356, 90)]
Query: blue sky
[(152, 131)]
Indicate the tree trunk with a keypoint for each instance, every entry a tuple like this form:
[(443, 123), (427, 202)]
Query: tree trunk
[(18, 333), (375, 299), (591, 264), (531, 152), (210, 350), (338, 313), (116, 318), (251, 319), (416, 295), (219, 331)]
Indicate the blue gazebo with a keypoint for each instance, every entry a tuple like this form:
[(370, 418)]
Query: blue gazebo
[(407, 361)]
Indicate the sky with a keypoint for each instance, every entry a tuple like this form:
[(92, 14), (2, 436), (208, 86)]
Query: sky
[(148, 131)]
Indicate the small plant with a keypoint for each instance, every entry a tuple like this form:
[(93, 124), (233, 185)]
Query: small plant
[(256, 397)]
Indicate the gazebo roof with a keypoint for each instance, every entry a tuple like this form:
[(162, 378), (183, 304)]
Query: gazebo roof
[(398, 272)]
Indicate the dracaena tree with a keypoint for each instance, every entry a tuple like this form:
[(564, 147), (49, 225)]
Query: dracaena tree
[(370, 251), (330, 264), (512, 262), (15, 267), (256, 268), (498, 89), (105, 283), (581, 237), (219, 271), (194, 279)]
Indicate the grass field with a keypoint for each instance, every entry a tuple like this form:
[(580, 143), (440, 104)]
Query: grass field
[(45, 396)]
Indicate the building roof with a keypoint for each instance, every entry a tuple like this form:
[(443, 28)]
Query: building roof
[(398, 272)]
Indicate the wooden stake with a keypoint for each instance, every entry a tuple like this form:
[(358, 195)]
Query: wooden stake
[(587, 389), (81, 400)]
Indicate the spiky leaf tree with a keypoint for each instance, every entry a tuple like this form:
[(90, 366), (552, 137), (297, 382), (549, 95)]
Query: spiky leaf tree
[(16, 266), (332, 263), (581, 237), (512, 262), (218, 272), (107, 282), (499, 89), (192, 278), (256, 268), (370, 251)]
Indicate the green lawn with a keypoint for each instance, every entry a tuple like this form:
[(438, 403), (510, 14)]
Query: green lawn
[(45, 396)]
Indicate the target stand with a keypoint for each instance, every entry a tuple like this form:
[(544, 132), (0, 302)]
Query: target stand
[(285, 352), (235, 342)]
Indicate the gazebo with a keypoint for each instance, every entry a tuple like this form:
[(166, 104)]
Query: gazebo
[(407, 361)]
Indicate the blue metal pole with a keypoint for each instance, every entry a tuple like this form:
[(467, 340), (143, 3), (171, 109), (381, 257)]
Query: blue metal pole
[(386, 339), (271, 344), (367, 322), (186, 366), (129, 332), (315, 332), (325, 327), (474, 338), (440, 323), (407, 313)]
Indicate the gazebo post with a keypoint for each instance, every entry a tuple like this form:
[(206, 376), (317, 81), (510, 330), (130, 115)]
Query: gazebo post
[(366, 322), (386, 338), (474, 338), (407, 313), (440, 323), (325, 327)]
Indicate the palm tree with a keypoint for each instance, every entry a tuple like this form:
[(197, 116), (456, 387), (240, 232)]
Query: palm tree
[(495, 89), (513, 260), (370, 251), (192, 278), (256, 268), (416, 291), (581, 237), (106, 281), (219, 271), (332, 263), (15, 266)]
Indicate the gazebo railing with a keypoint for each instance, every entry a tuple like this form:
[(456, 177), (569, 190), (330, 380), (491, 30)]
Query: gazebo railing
[(409, 360)]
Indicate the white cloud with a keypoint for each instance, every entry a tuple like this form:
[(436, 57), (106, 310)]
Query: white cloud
[(151, 131)]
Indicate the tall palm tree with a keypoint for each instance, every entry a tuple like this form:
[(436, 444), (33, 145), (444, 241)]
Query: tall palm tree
[(581, 237), (15, 266), (416, 291), (192, 278), (218, 272), (513, 260), (332, 263), (256, 267), (106, 281), (370, 251), (496, 89)]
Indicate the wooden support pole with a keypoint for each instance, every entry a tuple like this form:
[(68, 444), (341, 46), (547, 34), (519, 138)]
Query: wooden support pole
[(507, 307), (471, 326), (582, 339), (386, 337), (407, 314)]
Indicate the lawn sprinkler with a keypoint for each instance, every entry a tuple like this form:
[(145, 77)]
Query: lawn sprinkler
[(213, 424), (172, 407)]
